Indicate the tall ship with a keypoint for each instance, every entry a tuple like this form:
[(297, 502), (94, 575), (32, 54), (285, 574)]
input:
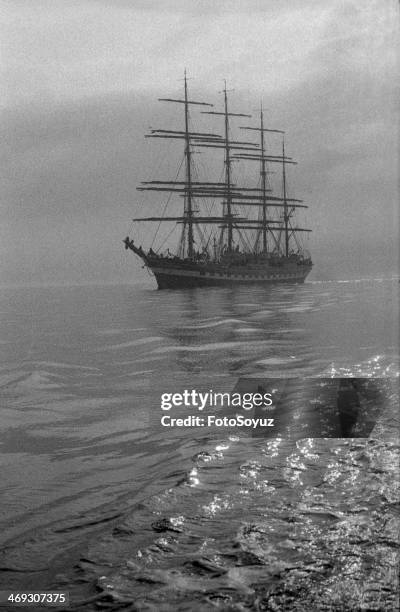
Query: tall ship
[(230, 231)]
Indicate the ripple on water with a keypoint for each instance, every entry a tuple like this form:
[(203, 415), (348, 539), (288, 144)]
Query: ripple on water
[(229, 540), (185, 521)]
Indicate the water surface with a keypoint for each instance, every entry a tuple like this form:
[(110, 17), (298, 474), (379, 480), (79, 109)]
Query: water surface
[(97, 498)]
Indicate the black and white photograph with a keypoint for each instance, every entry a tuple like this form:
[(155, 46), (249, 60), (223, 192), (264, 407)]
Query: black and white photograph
[(199, 297)]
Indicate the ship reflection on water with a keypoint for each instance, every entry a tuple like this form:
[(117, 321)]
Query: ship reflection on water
[(234, 330)]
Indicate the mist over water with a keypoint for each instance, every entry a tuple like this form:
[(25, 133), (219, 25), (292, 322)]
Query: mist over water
[(186, 515)]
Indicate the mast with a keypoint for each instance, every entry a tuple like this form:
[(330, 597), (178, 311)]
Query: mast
[(228, 194), (187, 186), (228, 175), (263, 157), (188, 154), (285, 206), (263, 182)]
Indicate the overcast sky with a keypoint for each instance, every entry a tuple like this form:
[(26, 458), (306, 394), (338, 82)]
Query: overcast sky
[(81, 80)]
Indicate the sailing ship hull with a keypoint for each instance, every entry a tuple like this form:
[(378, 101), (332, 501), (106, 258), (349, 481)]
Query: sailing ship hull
[(177, 277)]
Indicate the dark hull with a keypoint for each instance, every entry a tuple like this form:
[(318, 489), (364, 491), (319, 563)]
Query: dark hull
[(176, 273), (178, 278)]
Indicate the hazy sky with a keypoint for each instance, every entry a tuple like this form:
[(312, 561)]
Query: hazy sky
[(81, 80)]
